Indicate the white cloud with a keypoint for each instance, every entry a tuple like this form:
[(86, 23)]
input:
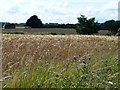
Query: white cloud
[(110, 10), (61, 11)]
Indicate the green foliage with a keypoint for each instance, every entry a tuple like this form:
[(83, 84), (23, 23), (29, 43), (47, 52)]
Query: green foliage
[(57, 25), (13, 32), (86, 26), (66, 75), (34, 22), (8, 26), (52, 33), (112, 26)]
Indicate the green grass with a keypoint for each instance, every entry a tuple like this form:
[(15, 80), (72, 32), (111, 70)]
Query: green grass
[(66, 75)]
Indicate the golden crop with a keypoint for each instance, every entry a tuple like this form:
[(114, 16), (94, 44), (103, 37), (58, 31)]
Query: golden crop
[(31, 48), (31, 59)]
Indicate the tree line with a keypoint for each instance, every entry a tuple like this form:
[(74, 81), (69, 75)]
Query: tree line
[(90, 26), (84, 25)]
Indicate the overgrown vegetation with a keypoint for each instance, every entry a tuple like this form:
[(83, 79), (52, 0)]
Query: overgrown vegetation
[(73, 61)]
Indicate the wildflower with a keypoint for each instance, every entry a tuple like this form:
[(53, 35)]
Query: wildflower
[(110, 82), (74, 57), (116, 58)]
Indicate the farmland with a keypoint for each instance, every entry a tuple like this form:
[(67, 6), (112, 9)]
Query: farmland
[(43, 30), (60, 61)]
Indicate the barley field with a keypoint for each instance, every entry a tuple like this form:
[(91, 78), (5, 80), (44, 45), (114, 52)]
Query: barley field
[(60, 61)]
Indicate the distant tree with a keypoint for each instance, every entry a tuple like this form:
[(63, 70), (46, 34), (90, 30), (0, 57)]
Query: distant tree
[(57, 25), (112, 25), (34, 22), (8, 26), (116, 27), (86, 26), (109, 24)]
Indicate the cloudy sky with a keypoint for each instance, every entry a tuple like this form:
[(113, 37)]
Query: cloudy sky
[(57, 11)]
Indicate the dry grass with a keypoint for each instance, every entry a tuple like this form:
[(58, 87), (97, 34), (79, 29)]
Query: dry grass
[(66, 54)]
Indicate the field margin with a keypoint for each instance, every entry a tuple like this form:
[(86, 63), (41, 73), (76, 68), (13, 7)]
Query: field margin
[(0, 56), (119, 45)]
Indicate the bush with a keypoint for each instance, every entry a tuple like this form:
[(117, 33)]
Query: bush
[(13, 32)]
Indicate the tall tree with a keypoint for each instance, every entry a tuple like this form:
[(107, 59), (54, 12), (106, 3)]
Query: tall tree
[(86, 26), (34, 22)]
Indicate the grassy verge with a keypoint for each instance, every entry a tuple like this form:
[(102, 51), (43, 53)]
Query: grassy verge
[(66, 75)]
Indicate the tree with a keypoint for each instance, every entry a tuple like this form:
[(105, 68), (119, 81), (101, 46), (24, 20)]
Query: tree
[(34, 22), (109, 25), (115, 27), (112, 25), (87, 26), (8, 26)]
